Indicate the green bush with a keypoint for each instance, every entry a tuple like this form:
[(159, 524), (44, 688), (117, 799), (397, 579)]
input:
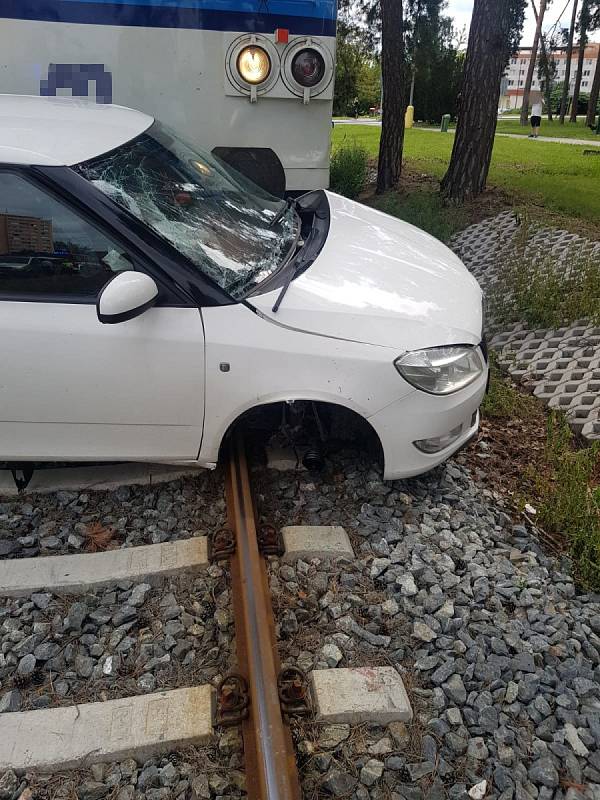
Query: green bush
[(503, 400), (425, 210), (570, 504), (582, 106), (561, 481), (536, 287), (349, 166)]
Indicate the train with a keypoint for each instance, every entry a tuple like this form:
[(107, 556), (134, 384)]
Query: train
[(250, 80)]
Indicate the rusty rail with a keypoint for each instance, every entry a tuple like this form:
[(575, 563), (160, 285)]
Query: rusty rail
[(271, 771)]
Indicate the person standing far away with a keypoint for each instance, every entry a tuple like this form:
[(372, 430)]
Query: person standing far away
[(536, 118)]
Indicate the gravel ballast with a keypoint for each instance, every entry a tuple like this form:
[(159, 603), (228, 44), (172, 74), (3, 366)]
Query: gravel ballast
[(197, 773), (127, 640), (497, 646), (68, 522), (498, 649)]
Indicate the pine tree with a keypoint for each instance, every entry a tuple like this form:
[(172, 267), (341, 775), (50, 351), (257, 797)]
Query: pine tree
[(495, 33), (595, 91), (539, 19), (583, 27), (547, 70), (394, 74), (567, 84)]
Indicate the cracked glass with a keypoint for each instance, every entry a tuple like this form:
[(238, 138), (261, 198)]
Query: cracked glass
[(234, 232)]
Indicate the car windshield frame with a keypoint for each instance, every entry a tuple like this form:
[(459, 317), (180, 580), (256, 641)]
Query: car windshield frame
[(227, 228)]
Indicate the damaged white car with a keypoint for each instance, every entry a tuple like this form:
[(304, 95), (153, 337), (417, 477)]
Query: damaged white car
[(150, 297)]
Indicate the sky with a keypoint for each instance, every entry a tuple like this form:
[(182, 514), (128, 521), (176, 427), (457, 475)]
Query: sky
[(461, 11)]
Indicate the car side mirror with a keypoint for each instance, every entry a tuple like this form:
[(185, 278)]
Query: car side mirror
[(126, 296)]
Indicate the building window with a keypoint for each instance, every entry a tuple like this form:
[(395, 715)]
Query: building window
[(584, 83), (513, 61)]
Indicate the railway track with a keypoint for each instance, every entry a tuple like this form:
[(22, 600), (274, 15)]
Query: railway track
[(271, 771), (183, 708), (248, 696)]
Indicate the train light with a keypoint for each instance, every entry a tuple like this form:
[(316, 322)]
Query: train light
[(308, 67), (254, 64)]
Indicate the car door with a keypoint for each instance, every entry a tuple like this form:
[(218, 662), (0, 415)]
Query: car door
[(72, 388)]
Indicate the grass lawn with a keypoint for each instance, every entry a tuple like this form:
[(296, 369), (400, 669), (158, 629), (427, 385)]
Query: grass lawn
[(570, 130), (557, 177)]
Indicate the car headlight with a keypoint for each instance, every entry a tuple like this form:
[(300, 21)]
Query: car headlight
[(254, 64), (441, 370)]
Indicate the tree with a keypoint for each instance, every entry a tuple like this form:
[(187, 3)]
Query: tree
[(495, 32), (416, 40), (565, 95), (595, 91), (393, 68), (362, 18), (437, 65), (369, 86), (593, 101), (349, 61), (547, 70), (539, 19), (392, 28), (583, 27)]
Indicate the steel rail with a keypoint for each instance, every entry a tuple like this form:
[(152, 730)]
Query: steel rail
[(271, 770)]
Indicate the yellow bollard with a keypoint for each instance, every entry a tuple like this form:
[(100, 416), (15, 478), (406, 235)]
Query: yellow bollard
[(409, 117)]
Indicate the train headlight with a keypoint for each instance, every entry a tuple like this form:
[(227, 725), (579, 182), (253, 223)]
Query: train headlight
[(254, 64), (308, 67)]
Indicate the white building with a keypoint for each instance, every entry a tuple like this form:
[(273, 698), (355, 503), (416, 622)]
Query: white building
[(516, 73)]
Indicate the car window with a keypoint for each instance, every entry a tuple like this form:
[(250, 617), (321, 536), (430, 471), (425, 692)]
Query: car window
[(47, 249), (228, 228)]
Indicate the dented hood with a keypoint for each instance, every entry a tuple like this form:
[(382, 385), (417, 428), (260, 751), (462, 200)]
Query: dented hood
[(381, 281)]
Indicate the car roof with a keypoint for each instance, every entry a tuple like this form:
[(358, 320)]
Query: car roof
[(62, 131)]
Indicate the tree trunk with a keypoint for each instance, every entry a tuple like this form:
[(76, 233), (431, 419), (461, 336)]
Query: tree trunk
[(530, 70), (591, 114), (565, 93), (545, 66), (576, 90), (490, 43), (415, 49), (394, 96)]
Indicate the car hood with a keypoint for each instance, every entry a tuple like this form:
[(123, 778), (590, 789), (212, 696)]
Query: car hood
[(380, 281)]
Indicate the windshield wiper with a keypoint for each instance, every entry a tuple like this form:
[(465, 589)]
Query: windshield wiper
[(292, 274), (289, 203)]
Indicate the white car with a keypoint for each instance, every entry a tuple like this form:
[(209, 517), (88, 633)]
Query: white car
[(197, 298)]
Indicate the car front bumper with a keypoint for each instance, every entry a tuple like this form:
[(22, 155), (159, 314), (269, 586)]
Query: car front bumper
[(420, 416)]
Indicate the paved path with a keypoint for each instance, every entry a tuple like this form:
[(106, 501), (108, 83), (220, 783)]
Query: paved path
[(556, 140), (375, 122), (516, 116)]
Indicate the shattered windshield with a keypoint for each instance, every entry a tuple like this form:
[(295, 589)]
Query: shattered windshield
[(228, 227)]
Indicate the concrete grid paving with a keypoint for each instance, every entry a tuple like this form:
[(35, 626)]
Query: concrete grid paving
[(561, 366)]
